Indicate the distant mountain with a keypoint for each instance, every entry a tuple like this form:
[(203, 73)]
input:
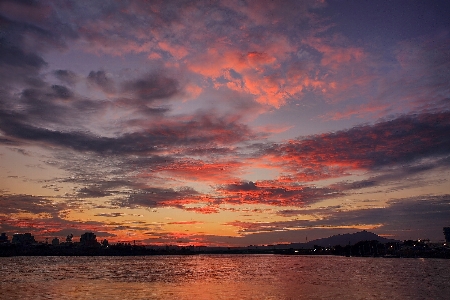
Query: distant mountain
[(348, 238)]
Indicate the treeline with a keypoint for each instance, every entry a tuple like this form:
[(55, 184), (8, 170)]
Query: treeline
[(374, 248), (361, 249)]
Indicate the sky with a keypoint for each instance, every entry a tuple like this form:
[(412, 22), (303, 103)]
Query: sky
[(224, 123)]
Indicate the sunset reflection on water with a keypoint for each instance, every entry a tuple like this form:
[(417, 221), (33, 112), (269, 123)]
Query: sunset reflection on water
[(223, 277)]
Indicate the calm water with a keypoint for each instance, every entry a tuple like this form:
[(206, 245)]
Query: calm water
[(223, 277)]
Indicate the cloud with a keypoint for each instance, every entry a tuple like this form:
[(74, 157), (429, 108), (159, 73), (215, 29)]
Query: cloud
[(18, 66), (15, 58), (204, 171), (92, 192), (186, 223), (152, 87), (272, 193), (66, 76), (154, 197), (200, 129), (207, 209), (244, 186), (361, 111), (43, 103), (100, 80), (403, 140), (184, 29), (402, 145), (110, 215), (13, 204)]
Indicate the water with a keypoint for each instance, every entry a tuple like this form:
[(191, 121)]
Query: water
[(223, 277)]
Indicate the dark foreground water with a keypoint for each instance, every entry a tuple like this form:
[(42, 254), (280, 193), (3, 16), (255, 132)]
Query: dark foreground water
[(223, 277)]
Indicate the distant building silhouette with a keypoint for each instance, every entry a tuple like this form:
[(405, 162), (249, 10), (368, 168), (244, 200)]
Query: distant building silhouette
[(55, 242), (23, 239), (3, 238), (447, 234), (69, 238), (88, 239)]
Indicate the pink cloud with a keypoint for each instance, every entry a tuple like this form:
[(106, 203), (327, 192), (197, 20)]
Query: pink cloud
[(361, 111), (154, 55), (176, 51), (334, 55), (250, 67)]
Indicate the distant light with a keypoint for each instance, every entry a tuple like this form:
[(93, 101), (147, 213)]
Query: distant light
[(296, 251)]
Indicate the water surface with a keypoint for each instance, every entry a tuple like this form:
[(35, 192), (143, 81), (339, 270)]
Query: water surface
[(223, 277)]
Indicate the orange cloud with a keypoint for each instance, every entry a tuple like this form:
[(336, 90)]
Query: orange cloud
[(186, 223), (203, 210)]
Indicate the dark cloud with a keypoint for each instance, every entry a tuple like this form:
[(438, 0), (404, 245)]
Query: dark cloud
[(92, 192), (199, 130), (100, 79), (31, 204), (29, 29), (14, 57), (17, 66), (141, 108), (76, 140), (61, 92), (36, 25), (152, 87), (244, 186), (209, 151), (66, 76), (38, 111), (154, 197), (110, 215)]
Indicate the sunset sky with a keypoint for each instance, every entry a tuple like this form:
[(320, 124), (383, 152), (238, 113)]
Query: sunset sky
[(224, 122)]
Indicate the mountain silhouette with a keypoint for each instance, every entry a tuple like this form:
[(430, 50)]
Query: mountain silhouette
[(349, 239)]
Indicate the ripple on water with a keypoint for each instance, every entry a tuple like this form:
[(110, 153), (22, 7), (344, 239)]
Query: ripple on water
[(223, 277)]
